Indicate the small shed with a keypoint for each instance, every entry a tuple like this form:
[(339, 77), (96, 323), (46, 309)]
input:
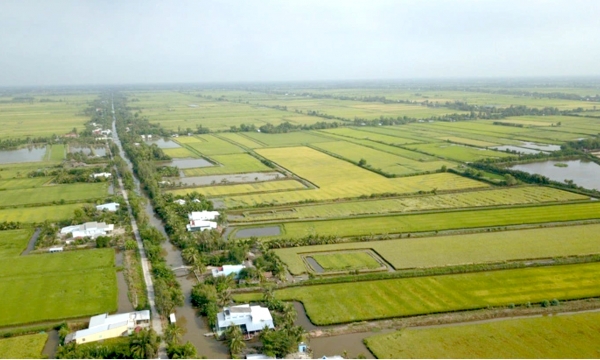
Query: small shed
[(172, 318)]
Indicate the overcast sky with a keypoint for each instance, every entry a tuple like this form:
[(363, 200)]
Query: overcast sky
[(120, 42)]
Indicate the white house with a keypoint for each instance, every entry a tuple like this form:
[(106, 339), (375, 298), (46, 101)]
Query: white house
[(203, 215), (110, 326), (227, 270), (201, 225), (179, 201), (103, 174), (91, 229), (249, 318), (113, 206)]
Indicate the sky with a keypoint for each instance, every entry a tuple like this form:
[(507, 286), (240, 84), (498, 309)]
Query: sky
[(135, 42)]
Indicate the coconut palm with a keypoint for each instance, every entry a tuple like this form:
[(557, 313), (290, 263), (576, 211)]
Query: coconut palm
[(235, 340), (143, 344), (173, 333), (190, 255), (289, 315)]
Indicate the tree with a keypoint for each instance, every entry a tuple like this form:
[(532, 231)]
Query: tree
[(185, 351), (443, 168), (173, 333), (362, 162), (235, 340), (143, 344), (510, 180), (289, 315), (190, 255)]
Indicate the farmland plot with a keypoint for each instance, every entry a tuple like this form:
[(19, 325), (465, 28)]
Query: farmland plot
[(47, 194), (259, 187), (493, 197), (457, 152), (39, 213), (454, 250), (230, 164), (209, 145), (345, 302), (23, 347), (579, 336), (395, 224)]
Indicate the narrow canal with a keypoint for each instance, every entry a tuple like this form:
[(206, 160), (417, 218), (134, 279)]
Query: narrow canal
[(193, 326)]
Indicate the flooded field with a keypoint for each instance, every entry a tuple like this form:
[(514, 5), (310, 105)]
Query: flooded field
[(28, 154), (164, 143), (583, 173), (260, 231), (236, 178), (188, 163), (543, 147), (516, 148), (89, 151)]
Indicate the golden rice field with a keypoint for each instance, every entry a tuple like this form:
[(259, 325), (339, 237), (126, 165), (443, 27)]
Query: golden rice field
[(324, 170)]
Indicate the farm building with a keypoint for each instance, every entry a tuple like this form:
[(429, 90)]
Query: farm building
[(201, 225), (110, 326), (250, 319), (103, 174), (109, 207), (203, 215), (91, 229), (227, 270)]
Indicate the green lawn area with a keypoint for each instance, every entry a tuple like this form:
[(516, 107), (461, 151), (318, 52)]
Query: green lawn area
[(480, 248), (352, 260), (47, 194), (550, 337), (23, 347), (445, 221), (39, 213), (231, 164), (53, 286), (366, 300)]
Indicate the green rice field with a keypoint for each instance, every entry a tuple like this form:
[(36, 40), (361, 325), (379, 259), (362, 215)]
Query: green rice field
[(230, 164), (50, 286), (208, 145), (47, 194), (345, 302), (396, 224), (354, 260), (258, 187), (550, 337), (440, 251), (23, 347), (489, 197)]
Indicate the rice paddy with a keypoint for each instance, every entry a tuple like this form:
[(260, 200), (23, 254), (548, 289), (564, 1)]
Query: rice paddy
[(552, 337), (345, 302)]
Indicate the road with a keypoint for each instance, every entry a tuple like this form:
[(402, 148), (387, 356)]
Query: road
[(156, 322)]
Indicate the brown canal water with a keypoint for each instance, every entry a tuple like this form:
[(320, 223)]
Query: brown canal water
[(336, 345), (194, 327), (258, 232), (51, 345)]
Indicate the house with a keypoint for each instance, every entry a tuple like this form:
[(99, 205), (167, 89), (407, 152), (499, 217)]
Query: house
[(105, 132), (55, 249), (109, 207), (110, 326), (103, 174), (70, 135), (250, 319), (179, 201), (91, 229), (201, 225), (203, 215), (258, 356), (227, 270), (172, 318)]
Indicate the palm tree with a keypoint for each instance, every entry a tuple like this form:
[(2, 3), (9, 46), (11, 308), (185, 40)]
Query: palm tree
[(173, 333), (190, 255), (268, 295), (143, 344), (289, 315), (235, 340)]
